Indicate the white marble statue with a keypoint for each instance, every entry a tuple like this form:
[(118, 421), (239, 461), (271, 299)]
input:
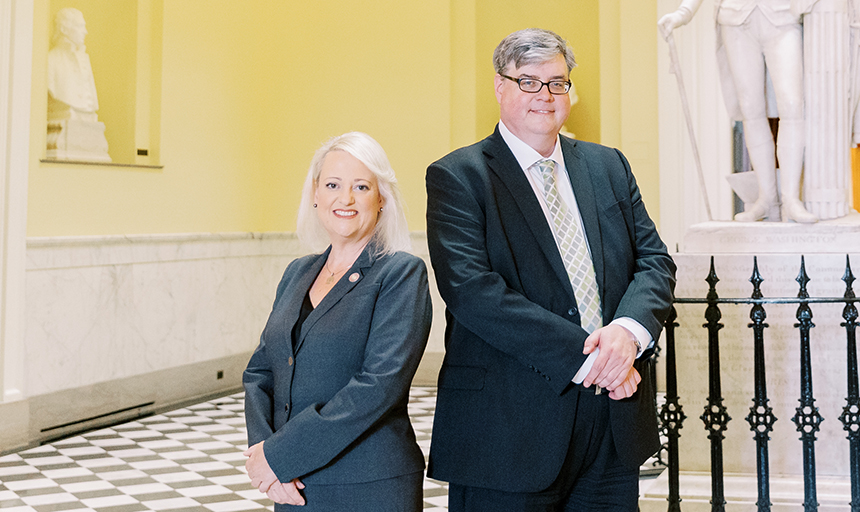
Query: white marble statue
[(74, 132), (760, 44)]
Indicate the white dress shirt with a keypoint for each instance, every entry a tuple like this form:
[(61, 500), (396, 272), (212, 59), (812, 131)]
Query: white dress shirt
[(527, 156)]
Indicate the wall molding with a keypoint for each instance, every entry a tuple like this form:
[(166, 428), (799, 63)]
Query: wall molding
[(16, 38)]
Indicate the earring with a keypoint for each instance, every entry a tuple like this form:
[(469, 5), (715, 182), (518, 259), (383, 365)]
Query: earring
[(380, 209), (315, 205)]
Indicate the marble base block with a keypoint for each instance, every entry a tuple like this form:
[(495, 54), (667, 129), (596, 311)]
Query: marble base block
[(786, 493), (76, 139), (839, 236)]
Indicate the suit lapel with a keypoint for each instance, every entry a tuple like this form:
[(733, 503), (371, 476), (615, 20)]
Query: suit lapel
[(583, 189), (350, 279), (503, 163), (300, 290)]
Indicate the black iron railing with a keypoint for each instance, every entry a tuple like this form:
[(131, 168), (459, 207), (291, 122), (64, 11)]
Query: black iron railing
[(761, 418)]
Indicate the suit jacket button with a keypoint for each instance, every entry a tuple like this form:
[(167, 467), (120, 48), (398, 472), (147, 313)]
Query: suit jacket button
[(287, 407), (290, 361), (571, 311)]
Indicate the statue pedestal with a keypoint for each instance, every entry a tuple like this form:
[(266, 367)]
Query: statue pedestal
[(839, 236), (778, 248), (76, 139)]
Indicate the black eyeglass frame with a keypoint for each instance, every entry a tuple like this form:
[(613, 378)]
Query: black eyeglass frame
[(567, 84)]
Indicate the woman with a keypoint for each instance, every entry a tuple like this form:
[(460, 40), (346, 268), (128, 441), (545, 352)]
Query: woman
[(326, 389)]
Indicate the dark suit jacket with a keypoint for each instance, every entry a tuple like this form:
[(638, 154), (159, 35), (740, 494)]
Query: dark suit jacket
[(504, 413), (333, 410)]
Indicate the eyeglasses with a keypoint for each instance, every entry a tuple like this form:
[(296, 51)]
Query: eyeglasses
[(533, 85)]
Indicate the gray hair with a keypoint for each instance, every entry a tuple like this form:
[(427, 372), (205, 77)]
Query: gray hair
[(391, 233), (531, 46), (65, 17)]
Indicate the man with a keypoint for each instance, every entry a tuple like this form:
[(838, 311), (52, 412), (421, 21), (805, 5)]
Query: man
[(530, 296), (754, 35)]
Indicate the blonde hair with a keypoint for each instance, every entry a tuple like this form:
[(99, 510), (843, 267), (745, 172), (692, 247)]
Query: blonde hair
[(391, 233)]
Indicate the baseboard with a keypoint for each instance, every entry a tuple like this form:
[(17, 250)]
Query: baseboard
[(69, 412)]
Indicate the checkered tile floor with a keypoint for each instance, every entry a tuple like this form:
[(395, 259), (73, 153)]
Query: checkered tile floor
[(185, 460)]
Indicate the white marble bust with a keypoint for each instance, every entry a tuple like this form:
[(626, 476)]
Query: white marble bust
[(71, 87)]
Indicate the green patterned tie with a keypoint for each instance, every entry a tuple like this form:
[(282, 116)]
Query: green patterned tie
[(571, 246)]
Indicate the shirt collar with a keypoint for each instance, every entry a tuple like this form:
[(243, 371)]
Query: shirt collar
[(526, 155)]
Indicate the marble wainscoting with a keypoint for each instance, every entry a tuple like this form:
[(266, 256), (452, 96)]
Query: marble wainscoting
[(778, 248), (121, 325)]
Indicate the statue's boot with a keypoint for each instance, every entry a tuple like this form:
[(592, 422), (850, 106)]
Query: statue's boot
[(761, 151), (790, 153)]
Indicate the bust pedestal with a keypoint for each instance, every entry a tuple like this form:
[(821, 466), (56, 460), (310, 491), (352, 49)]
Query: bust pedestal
[(77, 139)]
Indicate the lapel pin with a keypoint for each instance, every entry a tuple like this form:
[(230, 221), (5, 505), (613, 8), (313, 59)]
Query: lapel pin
[(353, 277)]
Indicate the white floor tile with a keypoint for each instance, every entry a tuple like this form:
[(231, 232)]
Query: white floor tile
[(128, 453), (71, 440), (20, 509), (207, 466), (26, 485), (67, 472), (228, 438), (127, 474), (171, 503), (232, 479), (229, 456), (109, 501), (220, 426), (101, 463), (232, 506), (184, 436), (9, 495), (211, 445), (83, 450), (135, 490), (99, 433), (183, 455), (128, 426), (112, 442), (153, 464), (251, 494), (203, 490), (48, 461), (232, 421), (167, 427), (161, 444), (92, 485), (180, 476), (191, 420), (23, 469), (41, 449), (48, 499), (140, 434)]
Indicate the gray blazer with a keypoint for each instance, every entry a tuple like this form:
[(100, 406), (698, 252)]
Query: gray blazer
[(332, 409)]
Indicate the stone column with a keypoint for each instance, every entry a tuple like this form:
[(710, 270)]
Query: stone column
[(827, 65)]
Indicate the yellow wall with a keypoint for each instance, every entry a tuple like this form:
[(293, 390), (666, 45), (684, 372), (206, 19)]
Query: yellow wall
[(248, 90)]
